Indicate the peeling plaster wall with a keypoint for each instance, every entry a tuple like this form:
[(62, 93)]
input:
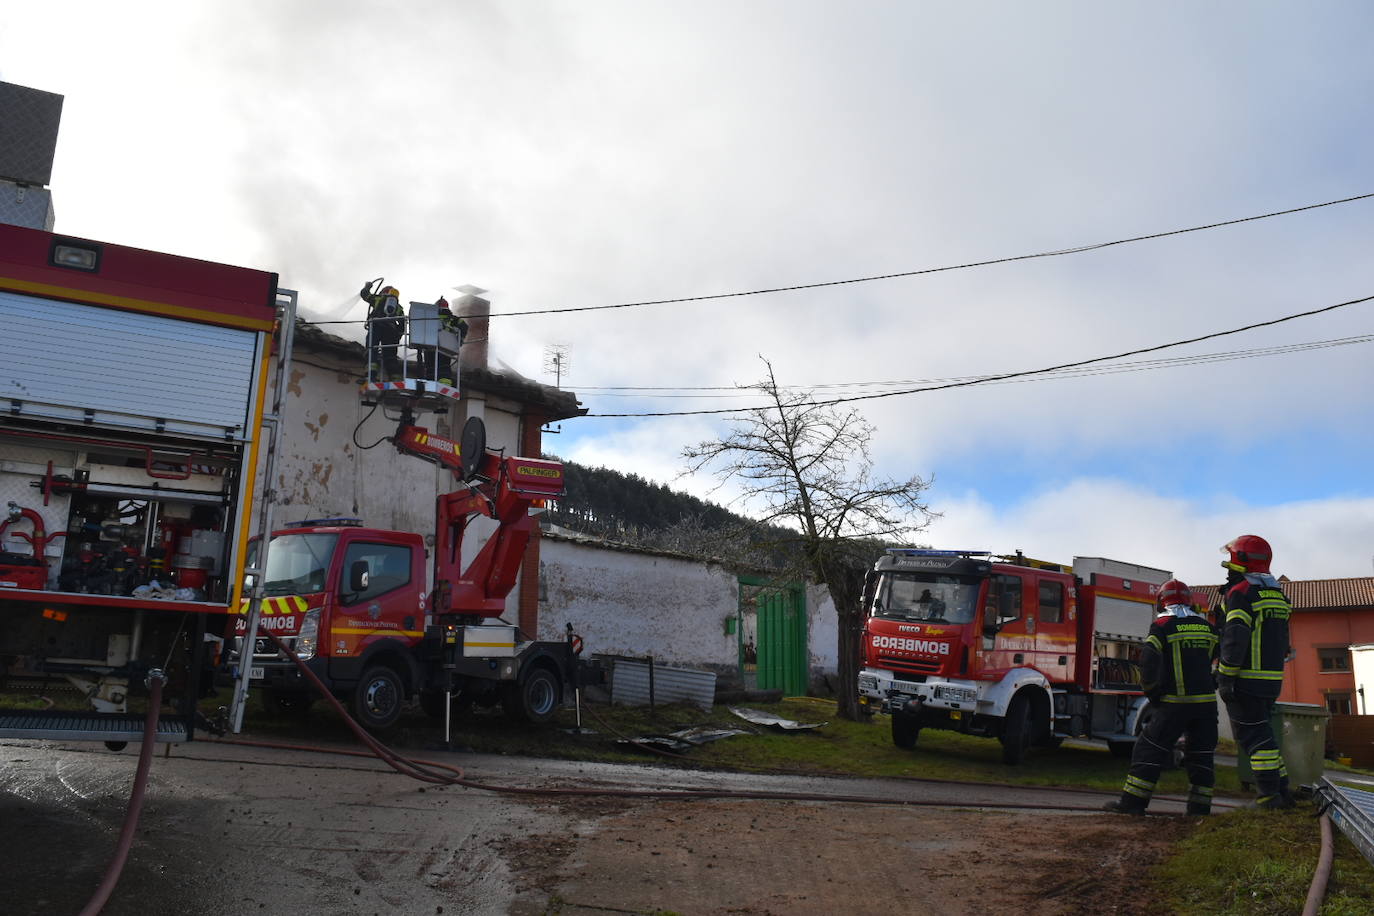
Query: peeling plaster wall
[(624, 602), (628, 603), (320, 472), (823, 632)]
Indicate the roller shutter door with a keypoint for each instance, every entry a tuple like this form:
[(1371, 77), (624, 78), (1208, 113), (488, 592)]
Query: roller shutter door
[(60, 360)]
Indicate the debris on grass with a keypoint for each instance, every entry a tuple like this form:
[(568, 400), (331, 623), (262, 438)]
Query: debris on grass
[(772, 721)]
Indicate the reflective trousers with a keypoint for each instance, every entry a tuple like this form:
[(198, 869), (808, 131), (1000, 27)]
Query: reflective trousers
[(1255, 736), (1167, 723)]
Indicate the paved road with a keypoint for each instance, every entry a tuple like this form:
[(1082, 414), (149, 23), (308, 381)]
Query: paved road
[(299, 832)]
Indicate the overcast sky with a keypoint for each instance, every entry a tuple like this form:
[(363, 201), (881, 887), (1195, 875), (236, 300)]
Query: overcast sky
[(567, 154)]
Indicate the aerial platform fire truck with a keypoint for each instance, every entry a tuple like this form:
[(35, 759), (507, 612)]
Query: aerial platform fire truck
[(1025, 651), (370, 614)]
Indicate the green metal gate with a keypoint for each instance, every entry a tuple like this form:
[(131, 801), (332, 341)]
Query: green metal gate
[(773, 644)]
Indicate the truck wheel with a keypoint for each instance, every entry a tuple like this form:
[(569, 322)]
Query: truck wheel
[(535, 699), (905, 729), (378, 697), (1017, 730)]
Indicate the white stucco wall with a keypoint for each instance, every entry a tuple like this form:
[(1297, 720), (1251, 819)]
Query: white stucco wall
[(823, 631), (627, 603)]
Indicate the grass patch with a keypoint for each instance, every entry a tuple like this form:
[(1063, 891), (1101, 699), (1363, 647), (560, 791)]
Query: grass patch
[(1255, 863), (839, 747)]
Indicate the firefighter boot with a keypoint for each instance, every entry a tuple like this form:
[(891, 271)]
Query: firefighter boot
[(1126, 804), (1276, 802)]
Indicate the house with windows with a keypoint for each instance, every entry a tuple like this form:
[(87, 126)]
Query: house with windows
[(1329, 616)]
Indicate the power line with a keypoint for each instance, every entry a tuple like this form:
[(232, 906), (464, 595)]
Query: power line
[(738, 391), (916, 273), (1009, 375)]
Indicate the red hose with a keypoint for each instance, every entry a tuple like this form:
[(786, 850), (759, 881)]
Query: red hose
[(126, 835), (1317, 891)]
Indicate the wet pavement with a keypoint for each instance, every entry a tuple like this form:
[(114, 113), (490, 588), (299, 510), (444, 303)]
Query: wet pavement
[(234, 829)]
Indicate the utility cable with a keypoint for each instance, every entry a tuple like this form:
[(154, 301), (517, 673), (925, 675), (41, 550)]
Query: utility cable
[(738, 391), (1078, 249), (1008, 375)]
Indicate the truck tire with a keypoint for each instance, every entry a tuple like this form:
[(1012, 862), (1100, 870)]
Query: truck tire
[(905, 729), (534, 699), (1017, 730), (378, 697)]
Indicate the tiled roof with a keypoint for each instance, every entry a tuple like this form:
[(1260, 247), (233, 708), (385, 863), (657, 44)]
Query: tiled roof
[(1311, 594)]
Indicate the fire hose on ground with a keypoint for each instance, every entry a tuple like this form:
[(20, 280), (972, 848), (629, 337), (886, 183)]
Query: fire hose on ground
[(126, 834)]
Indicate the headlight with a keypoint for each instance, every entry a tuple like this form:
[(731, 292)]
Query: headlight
[(308, 638)]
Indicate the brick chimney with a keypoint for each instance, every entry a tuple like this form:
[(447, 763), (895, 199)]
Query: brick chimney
[(477, 312)]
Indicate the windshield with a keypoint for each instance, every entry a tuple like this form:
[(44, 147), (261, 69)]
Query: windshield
[(297, 564), (923, 596)]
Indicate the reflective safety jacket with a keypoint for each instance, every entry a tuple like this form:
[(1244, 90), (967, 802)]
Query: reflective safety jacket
[(1176, 663), (1254, 638)]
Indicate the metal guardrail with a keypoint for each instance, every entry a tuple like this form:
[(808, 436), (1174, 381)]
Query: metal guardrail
[(1350, 809)]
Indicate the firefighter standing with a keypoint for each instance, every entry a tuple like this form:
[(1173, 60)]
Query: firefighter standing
[(386, 324), (1176, 674), (1254, 647)]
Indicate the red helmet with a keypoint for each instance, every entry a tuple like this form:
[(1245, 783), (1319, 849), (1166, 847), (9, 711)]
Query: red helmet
[(1248, 553), (1174, 592)]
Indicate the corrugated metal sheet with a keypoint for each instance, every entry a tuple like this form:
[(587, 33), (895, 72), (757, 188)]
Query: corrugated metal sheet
[(630, 684), (131, 369)]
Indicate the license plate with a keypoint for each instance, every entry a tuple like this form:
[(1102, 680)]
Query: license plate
[(255, 674), (955, 714)]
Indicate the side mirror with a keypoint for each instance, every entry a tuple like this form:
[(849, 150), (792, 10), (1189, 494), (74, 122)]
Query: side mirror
[(357, 576)]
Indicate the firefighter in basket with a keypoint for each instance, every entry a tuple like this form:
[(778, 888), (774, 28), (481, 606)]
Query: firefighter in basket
[(1254, 647), (386, 325), (1176, 674), (441, 367)]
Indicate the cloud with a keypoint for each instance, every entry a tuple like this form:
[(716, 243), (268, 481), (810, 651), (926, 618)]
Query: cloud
[(1312, 539)]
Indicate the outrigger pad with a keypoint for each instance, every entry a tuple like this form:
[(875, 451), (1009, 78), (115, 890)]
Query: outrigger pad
[(473, 445)]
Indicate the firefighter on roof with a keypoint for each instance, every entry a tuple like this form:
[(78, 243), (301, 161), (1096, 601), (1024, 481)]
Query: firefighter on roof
[(1176, 674), (386, 324), (1254, 647)]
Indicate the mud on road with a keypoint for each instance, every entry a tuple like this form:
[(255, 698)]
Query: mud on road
[(235, 830)]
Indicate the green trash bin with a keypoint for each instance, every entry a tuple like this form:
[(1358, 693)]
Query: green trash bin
[(1300, 731)]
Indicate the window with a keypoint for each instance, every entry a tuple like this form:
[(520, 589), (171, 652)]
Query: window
[(1337, 659), (388, 568), (1338, 704), (1006, 594), (1051, 602)]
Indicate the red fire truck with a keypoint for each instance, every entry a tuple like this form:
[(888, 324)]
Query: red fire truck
[(377, 623), (131, 432), (1025, 651)]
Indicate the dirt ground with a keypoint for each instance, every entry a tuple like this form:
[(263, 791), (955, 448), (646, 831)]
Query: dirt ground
[(230, 830), (771, 859)]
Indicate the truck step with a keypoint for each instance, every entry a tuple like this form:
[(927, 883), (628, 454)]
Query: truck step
[(88, 727)]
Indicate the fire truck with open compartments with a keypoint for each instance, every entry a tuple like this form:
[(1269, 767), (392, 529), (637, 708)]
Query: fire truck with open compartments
[(134, 427), (1025, 651), (132, 402)]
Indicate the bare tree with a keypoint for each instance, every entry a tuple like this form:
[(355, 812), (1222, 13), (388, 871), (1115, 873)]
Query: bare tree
[(805, 466)]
